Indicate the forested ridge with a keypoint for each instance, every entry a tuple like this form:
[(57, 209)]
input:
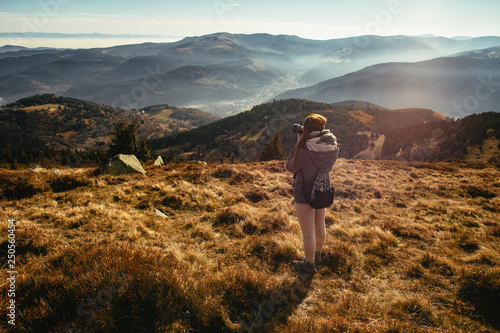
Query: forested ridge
[(245, 134), (48, 128), (60, 130), (453, 137)]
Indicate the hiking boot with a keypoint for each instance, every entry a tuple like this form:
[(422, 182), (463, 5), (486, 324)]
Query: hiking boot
[(302, 267), (317, 258)]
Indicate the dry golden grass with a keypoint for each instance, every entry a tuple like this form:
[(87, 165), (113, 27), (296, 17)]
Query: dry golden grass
[(411, 247)]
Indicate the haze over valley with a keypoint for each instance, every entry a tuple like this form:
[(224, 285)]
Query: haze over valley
[(227, 73)]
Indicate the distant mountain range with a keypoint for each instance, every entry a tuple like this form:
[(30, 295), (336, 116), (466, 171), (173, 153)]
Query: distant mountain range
[(227, 73), (63, 35), (456, 86)]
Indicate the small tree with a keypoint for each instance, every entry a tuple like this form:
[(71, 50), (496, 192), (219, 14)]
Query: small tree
[(273, 150), (124, 138), (126, 141), (143, 151)]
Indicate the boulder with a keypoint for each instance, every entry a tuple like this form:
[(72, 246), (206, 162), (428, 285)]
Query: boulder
[(198, 162), (36, 168), (159, 161), (122, 164), (160, 213)]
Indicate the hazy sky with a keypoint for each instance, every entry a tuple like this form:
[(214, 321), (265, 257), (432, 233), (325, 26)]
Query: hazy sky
[(316, 19)]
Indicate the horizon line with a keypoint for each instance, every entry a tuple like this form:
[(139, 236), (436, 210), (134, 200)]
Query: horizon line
[(124, 35)]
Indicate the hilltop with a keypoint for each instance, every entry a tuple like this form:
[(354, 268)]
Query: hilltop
[(411, 247)]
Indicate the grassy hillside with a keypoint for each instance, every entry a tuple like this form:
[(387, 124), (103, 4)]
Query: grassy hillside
[(171, 119), (411, 247)]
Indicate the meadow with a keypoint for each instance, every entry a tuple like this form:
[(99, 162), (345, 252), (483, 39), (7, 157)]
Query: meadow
[(411, 247)]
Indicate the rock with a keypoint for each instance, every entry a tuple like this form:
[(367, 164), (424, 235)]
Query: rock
[(122, 164), (159, 161), (36, 168), (198, 162), (55, 172), (160, 213)]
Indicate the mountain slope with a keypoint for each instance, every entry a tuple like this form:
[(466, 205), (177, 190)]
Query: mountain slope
[(244, 135), (364, 130), (43, 124), (322, 60), (239, 80), (473, 138), (454, 86)]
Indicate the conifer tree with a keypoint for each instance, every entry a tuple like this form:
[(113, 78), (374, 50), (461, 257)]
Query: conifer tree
[(273, 150), (126, 141), (143, 150)]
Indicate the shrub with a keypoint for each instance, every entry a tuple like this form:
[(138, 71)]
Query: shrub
[(125, 140), (273, 150)]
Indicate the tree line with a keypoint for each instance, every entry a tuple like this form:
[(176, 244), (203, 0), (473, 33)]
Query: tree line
[(454, 136)]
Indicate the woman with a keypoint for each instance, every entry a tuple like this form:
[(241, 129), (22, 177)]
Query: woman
[(316, 150)]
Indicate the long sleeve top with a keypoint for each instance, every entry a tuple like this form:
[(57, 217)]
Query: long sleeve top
[(321, 153)]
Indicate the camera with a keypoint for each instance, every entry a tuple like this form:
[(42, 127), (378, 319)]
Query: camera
[(298, 128)]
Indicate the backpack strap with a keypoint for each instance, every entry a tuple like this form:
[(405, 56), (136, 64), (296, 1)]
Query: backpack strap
[(324, 180), (304, 193)]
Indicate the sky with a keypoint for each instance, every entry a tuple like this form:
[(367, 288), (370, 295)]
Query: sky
[(314, 19)]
